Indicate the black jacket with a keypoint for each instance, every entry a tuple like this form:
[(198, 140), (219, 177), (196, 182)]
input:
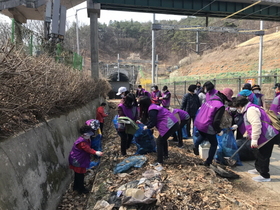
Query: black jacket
[(190, 104)]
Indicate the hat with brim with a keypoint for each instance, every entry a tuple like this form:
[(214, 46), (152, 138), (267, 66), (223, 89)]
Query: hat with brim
[(256, 87), (227, 93), (121, 90)]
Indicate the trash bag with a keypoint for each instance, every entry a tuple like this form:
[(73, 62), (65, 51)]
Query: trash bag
[(144, 140), (96, 142), (196, 134), (184, 132), (133, 161), (226, 147), (246, 153)]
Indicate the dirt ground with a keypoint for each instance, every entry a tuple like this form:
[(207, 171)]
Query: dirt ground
[(186, 183)]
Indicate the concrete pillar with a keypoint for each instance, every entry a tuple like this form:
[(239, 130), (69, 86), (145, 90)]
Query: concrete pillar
[(94, 14)]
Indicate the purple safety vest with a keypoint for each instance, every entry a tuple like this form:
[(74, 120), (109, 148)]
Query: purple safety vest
[(166, 102), (129, 112), (259, 98), (210, 94), (165, 119), (155, 96), (275, 105), (205, 117), (268, 131), (79, 157), (182, 114), (250, 97)]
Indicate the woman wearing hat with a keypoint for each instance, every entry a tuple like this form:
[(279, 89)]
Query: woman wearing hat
[(262, 134), (275, 105), (247, 92), (208, 121), (260, 97)]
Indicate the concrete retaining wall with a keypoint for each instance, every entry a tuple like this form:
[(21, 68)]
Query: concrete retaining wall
[(34, 169)]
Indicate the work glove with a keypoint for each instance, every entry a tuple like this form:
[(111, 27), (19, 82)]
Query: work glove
[(145, 127), (221, 133), (254, 143), (234, 127), (138, 122), (98, 153)]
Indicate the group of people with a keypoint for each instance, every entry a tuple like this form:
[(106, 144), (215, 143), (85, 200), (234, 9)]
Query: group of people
[(205, 107)]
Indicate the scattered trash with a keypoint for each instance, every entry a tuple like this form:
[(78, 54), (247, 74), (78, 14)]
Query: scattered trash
[(133, 161)]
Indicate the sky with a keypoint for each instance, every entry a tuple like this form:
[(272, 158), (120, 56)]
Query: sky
[(107, 15)]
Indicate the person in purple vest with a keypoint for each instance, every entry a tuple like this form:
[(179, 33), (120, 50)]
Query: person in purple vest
[(155, 95), (260, 97), (209, 89), (275, 105), (79, 158), (127, 108), (166, 97), (142, 92), (163, 120), (262, 134), (208, 121), (183, 118), (247, 92)]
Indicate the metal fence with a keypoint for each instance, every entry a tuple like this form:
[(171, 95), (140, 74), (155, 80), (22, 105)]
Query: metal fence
[(180, 88)]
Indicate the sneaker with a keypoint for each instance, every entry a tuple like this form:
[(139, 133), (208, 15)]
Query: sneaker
[(253, 171), (195, 151), (261, 179)]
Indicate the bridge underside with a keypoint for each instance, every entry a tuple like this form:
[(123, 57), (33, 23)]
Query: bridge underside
[(266, 10)]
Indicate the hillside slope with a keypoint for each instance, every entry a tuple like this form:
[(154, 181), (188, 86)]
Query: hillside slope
[(240, 58)]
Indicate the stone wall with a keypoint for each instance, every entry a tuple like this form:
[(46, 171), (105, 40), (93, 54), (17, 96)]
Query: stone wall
[(34, 169)]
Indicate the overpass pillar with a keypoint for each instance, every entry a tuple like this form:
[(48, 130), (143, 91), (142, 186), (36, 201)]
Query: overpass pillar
[(94, 14)]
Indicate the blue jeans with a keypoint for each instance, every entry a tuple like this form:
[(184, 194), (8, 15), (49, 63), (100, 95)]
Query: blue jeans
[(213, 141)]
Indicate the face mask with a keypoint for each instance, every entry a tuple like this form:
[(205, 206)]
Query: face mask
[(205, 90), (122, 96), (239, 111), (153, 89), (232, 109), (139, 89), (198, 87), (257, 91), (86, 136)]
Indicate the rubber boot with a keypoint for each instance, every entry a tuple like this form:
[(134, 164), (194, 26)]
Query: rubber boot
[(81, 188)]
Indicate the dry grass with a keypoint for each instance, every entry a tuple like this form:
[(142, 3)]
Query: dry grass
[(33, 89), (234, 58)]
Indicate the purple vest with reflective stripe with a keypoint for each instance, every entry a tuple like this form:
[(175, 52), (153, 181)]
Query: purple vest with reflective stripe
[(205, 117), (210, 94), (129, 112), (259, 98), (275, 105), (166, 102), (268, 131), (182, 114), (165, 119), (78, 157)]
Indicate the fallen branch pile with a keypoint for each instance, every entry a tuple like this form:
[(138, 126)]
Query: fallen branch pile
[(35, 88)]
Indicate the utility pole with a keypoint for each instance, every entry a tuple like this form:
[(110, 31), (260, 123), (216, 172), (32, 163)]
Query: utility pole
[(260, 56), (118, 68), (77, 30), (153, 51), (157, 69)]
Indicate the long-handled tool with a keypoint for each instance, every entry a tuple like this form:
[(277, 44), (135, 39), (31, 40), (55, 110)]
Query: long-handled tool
[(229, 160)]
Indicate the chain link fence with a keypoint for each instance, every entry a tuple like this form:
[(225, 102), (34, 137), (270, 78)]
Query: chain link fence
[(180, 88), (29, 38)]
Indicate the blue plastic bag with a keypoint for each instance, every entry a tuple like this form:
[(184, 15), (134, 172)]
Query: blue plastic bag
[(144, 140), (133, 161), (226, 147), (184, 132), (96, 143), (196, 135)]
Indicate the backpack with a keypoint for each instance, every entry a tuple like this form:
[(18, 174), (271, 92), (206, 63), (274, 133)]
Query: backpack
[(275, 122)]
